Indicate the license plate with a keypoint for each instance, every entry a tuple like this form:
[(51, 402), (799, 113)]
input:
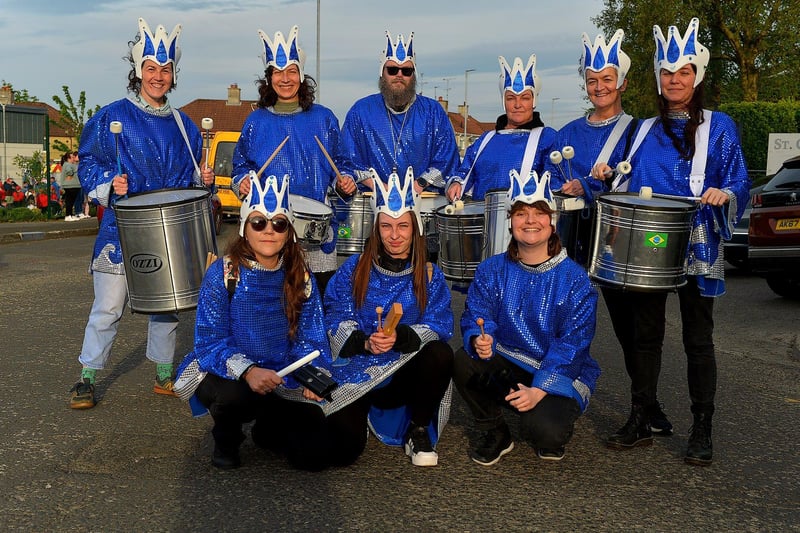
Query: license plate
[(784, 224)]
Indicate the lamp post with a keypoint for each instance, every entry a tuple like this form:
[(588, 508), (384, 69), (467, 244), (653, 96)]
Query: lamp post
[(6, 98), (319, 97), (553, 110), (466, 105)]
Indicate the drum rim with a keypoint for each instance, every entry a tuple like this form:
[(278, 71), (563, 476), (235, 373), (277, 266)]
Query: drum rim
[(610, 198), (203, 194), (459, 212)]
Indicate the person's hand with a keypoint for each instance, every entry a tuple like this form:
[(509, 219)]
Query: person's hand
[(572, 188), (244, 185), (483, 345), (379, 342), (454, 191), (714, 196), (308, 395), (262, 380), (526, 398), (417, 188), (601, 171), (120, 184), (208, 176), (346, 184)]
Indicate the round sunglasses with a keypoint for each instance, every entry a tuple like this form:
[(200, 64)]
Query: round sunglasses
[(259, 224)]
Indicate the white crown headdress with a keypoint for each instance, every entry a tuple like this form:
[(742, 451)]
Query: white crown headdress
[(395, 198), (601, 55), (400, 51), (676, 51), (529, 189), (158, 47), (280, 52), (270, 198), (518, 78)]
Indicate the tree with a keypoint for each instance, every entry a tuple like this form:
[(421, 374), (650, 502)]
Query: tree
[(753, 44), (32, 167), (72, 117), (20, 96)]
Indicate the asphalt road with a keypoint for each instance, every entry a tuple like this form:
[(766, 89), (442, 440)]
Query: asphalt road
[(140, 462)]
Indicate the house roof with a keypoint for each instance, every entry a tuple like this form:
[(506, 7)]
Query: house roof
[(226, 117)]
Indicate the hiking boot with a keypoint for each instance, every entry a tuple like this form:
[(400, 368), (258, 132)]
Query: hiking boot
[(700, 448), (659, 424), (492, 446), (635, 432), (225, 460), (550, 454), (82, 395), (164, 386), (419, 448)]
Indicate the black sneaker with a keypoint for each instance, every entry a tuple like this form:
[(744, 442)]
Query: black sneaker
[(659, 424), (554, 454), (419, 448), (700, 449), (635, 432), (492, 446), (225, 460), (82, 395)]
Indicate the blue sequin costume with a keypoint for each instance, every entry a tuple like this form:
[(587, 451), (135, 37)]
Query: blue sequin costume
[(657, 164), (152, 153), (542, 319), (502, 153), (421, 137), (301, 158), (235, 331), (360, 374)]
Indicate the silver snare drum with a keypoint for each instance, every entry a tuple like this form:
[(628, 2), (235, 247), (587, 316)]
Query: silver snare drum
[(496, 226), (461, 241), (355, 222), (312, 219), (574, 226), (641, 244)]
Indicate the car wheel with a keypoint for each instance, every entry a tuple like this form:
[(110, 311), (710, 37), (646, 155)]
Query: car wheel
[(786, 285)]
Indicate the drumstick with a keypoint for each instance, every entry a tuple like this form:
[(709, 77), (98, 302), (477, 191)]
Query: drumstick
[(479, 321), (328, 157), (393, 318), (646, 193), (207, 124), (210, 258), (379, 310), (116, 129), (297, 364), (268, 161)]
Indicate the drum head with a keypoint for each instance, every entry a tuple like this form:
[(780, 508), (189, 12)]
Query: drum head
[(301, 204), (565, 202), (161, 197), (471, 209), (634, 200)]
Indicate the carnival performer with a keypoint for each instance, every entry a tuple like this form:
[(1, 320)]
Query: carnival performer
[(398, 128), (519, 140), (396, 382), (672, 154), (158, 147), (286, 110), (528, 323), (259, 311)]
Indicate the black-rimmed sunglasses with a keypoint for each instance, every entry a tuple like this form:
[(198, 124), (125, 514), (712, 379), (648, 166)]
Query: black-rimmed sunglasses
[(279, 225), (407, 71)]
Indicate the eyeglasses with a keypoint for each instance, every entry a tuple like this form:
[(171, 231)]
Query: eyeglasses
[(279, 225), (407, 71)]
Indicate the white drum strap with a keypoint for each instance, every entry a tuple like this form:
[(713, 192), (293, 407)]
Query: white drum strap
[(698, 176), (613, 138), (197, 180), (483, 144), (530, 151), (618, 185)]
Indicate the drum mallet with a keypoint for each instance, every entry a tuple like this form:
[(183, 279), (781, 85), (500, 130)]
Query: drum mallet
[(556, 158), (646, 193), (379, 310), (479, 321), (393, 318), (297, 364), (116, 129), (623, 168), (568, 152), (450, 209), (268, 161), (208, 125)]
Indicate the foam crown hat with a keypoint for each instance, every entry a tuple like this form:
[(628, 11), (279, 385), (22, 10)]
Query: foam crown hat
[(158, 47), (517, 78), (400, 51), (529, 189), (601, 55), (269, 197), (395, 198), (676, 51), (280, 52)]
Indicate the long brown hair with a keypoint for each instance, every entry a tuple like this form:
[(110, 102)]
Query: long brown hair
[(553, 242), (373, 249), (294, 281), (684, 146), (267, 97)]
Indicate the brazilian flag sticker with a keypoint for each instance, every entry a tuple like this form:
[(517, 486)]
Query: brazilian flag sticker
[(655, 240), (344, 232)]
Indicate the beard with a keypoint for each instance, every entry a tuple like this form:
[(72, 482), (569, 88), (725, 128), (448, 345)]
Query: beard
[(397, 99)]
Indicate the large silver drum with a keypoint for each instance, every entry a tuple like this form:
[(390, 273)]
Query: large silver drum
[(165, 236), (641, 244), (460, 241), (497, 228), (355, 222), (429, 202), (312, 220), (574, 226)]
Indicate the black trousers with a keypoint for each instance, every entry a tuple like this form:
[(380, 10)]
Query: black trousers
[(639, 320), (484, 383)]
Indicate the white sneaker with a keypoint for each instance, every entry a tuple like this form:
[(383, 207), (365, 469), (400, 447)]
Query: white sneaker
[(69, 218), (418, 446)]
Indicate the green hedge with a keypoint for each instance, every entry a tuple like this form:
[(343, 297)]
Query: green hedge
[(20, 214)]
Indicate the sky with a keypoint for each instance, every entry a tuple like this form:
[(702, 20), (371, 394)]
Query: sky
[(81, 43)]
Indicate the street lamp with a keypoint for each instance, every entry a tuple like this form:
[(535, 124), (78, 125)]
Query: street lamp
[(466, 105), (6, 98), (553, 110)]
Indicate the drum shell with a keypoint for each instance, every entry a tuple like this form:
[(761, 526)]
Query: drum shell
[(312, 220), (429, 203), (355, 219), (574, 226), (641, 244), (498, 234), (461, 241), (165, 237)]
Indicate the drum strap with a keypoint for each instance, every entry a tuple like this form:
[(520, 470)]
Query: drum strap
[(613, 138), (622, 186), (483, 144), (530, 151), (197, 180), (698, 176)]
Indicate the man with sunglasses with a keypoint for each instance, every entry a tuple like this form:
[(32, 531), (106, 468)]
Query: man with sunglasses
[(398, 128)]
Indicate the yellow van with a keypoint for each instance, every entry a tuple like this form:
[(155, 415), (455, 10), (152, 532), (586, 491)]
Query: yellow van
[(221, 159)]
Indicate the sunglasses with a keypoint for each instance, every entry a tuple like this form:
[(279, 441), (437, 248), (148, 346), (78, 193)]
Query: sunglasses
[(279, 225), (407, 71)]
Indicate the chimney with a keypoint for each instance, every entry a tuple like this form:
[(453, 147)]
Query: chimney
[(443, 103), (234, 95)]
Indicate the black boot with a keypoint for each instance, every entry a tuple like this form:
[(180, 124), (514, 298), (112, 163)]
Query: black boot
[(700, 448), (635, 432)]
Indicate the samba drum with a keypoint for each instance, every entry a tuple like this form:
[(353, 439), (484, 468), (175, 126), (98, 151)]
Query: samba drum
[(312, 220), (355, 222), (496, 223), (461, 240), (641, 244), (574, 226), (429, 203), (165, 236)]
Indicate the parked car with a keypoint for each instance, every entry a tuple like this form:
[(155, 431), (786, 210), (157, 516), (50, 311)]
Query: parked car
[(774, 236), (221, 158), (735, 250)]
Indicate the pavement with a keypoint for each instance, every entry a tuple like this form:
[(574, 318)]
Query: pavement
[(11, 232)]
